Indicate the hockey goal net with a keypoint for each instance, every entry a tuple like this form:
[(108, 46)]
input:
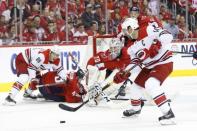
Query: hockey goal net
[(101, 43)]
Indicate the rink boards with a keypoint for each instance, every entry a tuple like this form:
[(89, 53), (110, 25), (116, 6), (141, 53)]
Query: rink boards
[(183, 66)]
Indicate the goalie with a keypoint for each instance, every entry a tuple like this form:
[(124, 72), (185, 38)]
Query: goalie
[(114, 59)]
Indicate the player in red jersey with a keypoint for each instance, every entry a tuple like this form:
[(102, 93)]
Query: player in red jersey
[(70, 91), (27, 64), (114, 59), (152, 49)]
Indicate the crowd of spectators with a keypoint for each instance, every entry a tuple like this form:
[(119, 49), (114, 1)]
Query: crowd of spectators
[(33, 21)]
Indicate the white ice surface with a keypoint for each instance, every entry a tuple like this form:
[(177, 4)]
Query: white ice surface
[(46, 116)]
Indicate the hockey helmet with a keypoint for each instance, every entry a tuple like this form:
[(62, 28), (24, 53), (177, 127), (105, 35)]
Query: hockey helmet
[(55, 53), (56, 50), (129, 26)]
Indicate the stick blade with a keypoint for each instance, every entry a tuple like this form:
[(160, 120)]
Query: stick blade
[(67, 108)]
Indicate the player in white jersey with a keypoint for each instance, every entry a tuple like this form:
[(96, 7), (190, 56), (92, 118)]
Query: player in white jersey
[(28, 63), (152, 49)]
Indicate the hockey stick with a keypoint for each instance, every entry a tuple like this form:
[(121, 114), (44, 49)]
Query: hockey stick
[(179, 52), (126, 81), (123, 87), (126, 99), (73, 109), (185, 56)]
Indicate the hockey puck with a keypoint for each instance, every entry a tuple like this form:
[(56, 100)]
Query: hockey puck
[(62, 122)]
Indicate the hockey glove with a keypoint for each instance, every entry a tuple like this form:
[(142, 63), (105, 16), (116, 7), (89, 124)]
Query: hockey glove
[(154, 49), (33, 83), (80, 73), (121, 76)]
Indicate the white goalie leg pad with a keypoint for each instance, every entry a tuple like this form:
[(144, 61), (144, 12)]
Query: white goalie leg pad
[(109, 79), (93, 75), (112, 87), (152, 86)]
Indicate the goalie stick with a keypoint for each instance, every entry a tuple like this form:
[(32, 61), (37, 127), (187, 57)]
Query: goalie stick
[(73, 109)]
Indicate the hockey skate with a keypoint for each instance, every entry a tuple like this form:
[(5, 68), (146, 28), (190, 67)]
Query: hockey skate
[(40, 97), (167, 119), (131, 112), (29, 96), (9, 101)]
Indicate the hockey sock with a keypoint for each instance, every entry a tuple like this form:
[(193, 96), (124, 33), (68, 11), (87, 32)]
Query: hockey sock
[(136, 104), (152, 86), (16, 87), (135, 95)]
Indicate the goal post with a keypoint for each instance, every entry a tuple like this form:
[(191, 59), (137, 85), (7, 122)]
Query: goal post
[(101, 43)]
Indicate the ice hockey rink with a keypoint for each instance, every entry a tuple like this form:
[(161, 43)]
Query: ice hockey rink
[(46, 116)]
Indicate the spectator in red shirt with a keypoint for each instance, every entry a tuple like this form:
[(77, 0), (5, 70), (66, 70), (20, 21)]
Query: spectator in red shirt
[(62, 35), (164, 14), (35, 10), (52, 33), (30, 34), (123, 9), (3, 6), (80, 7), (93, 31)]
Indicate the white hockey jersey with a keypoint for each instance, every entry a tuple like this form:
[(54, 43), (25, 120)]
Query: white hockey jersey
[(146, 38), (38, 59)]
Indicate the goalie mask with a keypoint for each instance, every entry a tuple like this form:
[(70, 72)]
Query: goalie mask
[(115, 48), (130, 28)]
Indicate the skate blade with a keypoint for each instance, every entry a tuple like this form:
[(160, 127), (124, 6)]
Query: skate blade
[(133, 116), (168, 122), (8, 103), (29, 99)]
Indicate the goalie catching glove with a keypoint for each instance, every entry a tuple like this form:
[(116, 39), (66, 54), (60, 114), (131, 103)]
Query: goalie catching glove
[(121, 76)]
